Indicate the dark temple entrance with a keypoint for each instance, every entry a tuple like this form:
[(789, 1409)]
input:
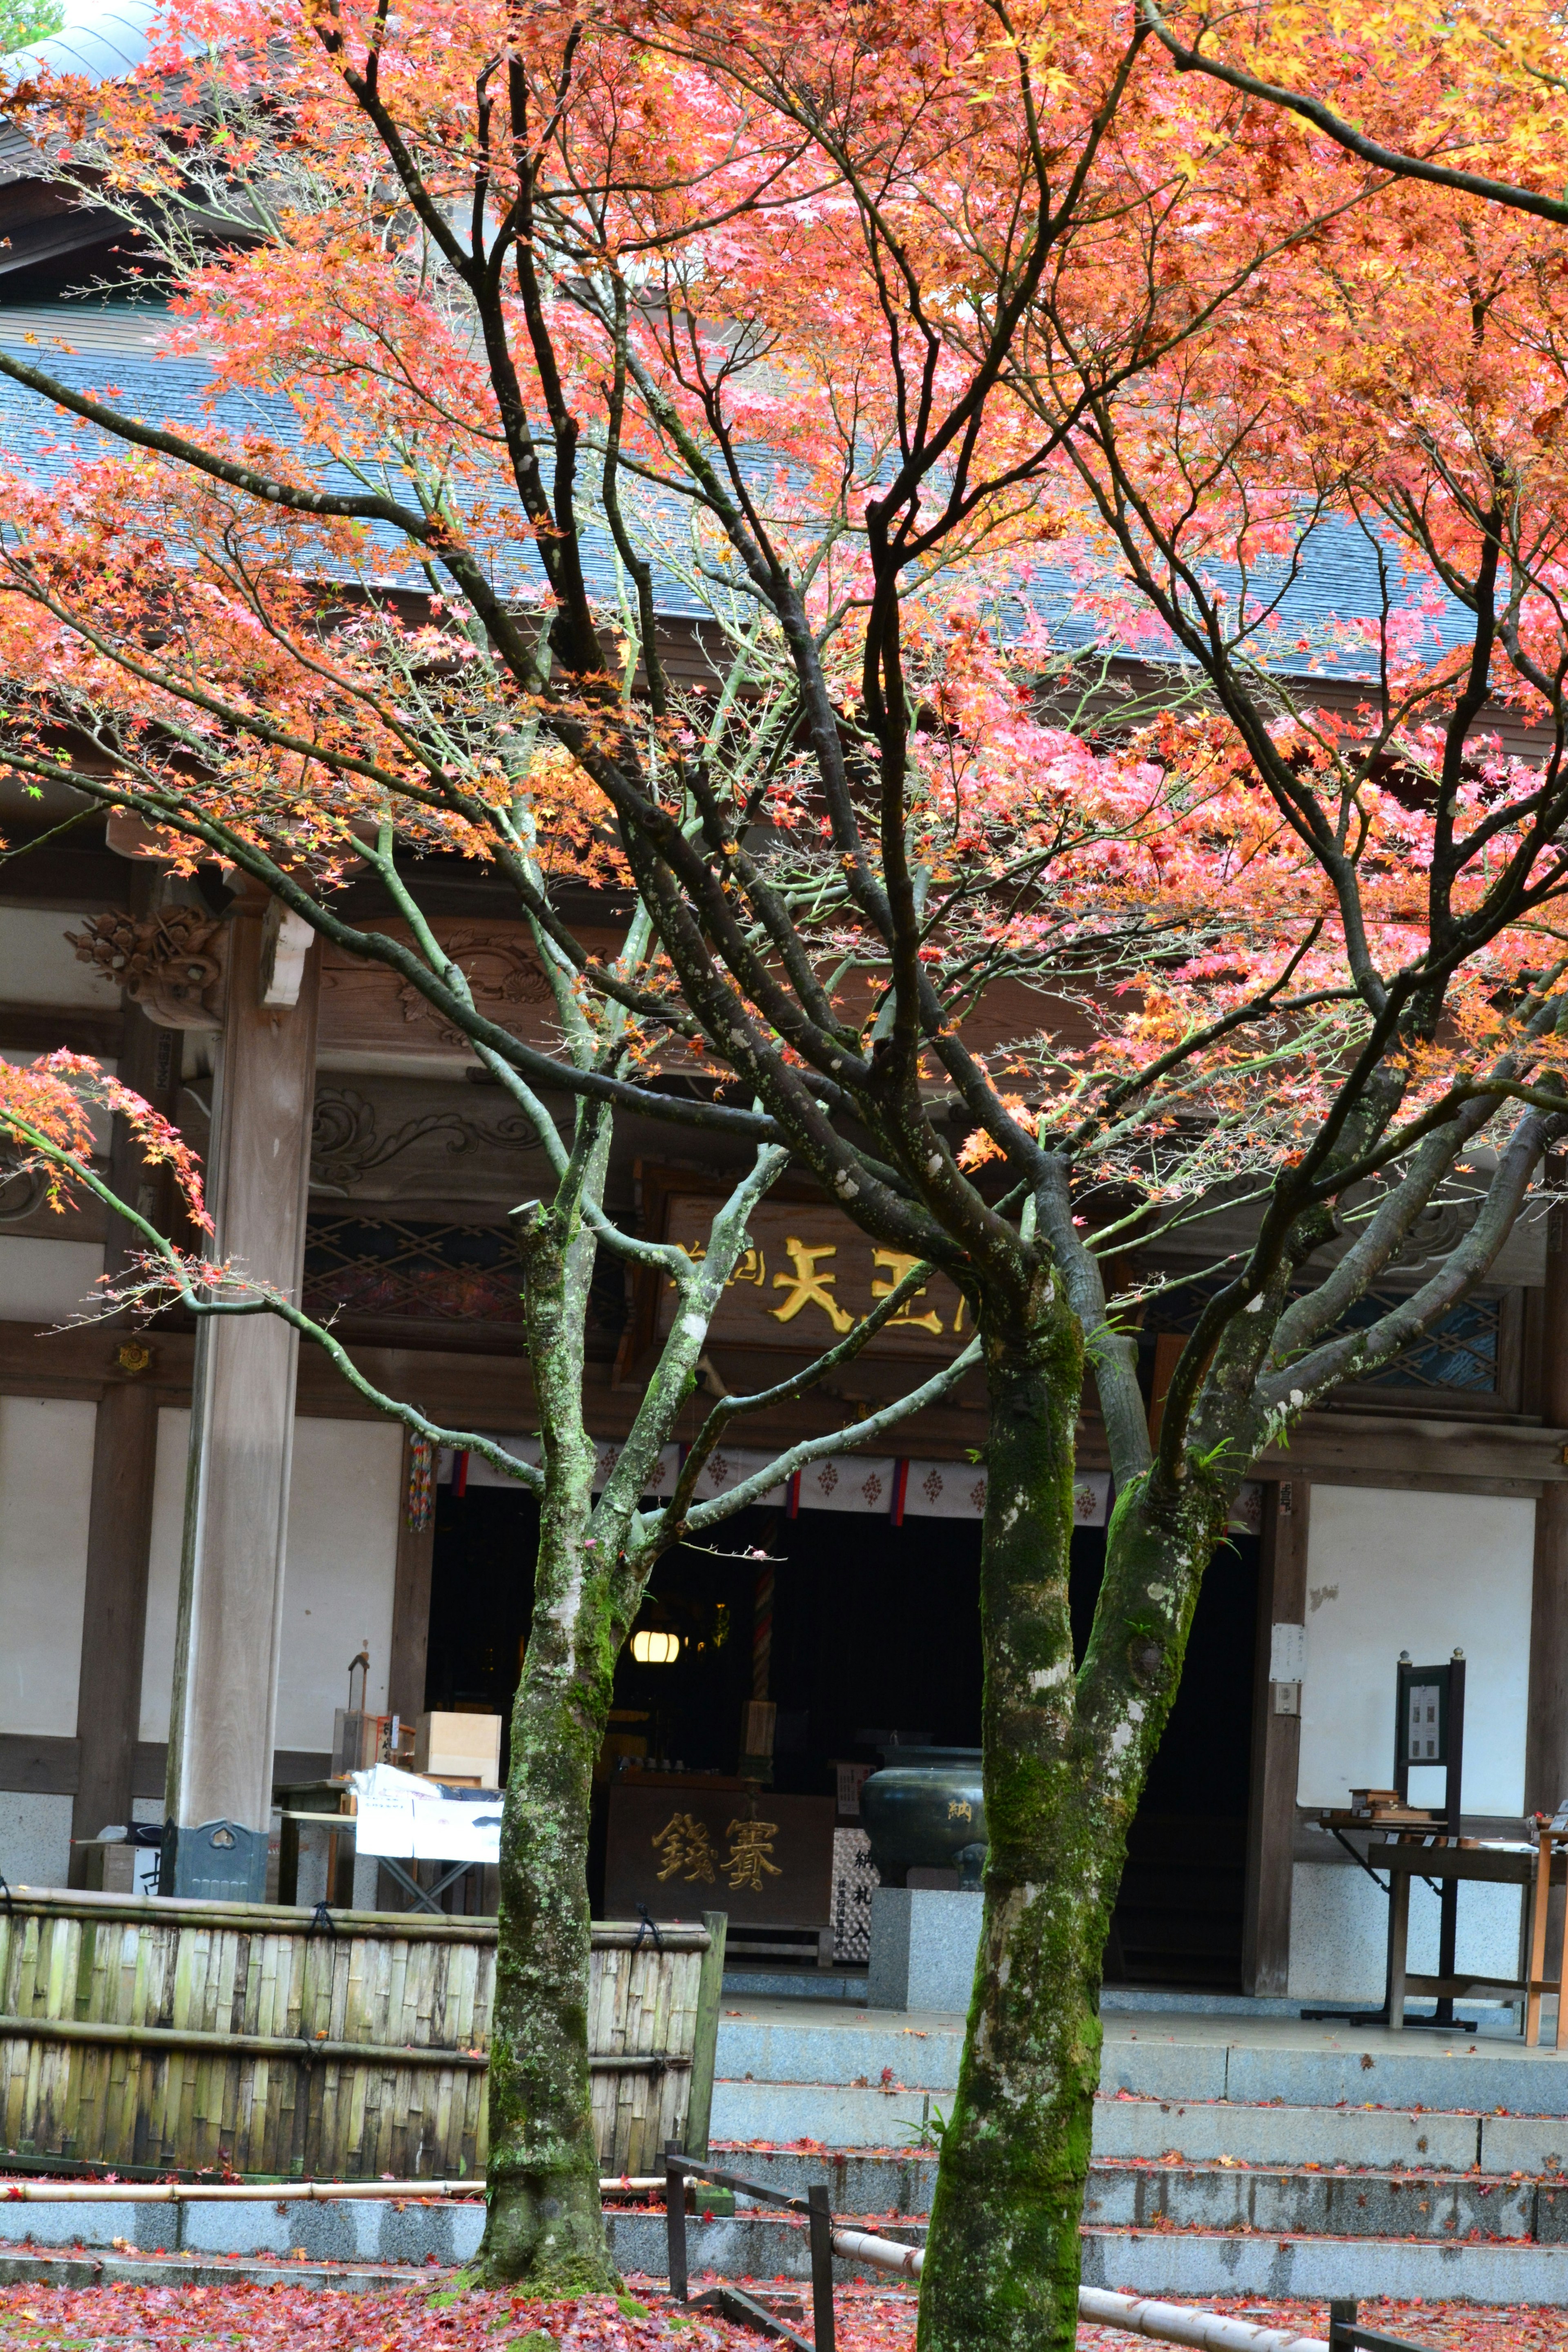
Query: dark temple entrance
[(876, 1632)]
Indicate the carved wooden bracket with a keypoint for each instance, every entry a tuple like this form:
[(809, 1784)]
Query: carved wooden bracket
[(286, 941), (172, 965)]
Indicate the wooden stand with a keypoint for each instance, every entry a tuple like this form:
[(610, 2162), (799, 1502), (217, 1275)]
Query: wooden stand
[(1449, 1865), (1551, 1868)]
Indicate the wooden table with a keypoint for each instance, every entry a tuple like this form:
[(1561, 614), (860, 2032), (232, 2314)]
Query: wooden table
[(1410, 1857), (1551, 1868)]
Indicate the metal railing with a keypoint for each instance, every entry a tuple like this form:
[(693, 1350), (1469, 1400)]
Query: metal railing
[(730, 2300), (1205, 2331), (1346, 2336)]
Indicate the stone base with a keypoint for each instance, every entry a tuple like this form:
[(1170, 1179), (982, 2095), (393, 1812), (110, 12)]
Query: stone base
[(216, 1861), (923, 1944)]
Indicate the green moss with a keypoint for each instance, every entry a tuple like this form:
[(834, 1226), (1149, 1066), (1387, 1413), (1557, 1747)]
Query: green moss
[(1002, 2266)]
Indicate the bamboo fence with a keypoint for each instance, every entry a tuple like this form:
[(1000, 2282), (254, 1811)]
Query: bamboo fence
[(162, 2036)]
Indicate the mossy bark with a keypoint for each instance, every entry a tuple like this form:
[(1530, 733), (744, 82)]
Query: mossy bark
[(1064, 1757), (545, 2226), (545, 2229)]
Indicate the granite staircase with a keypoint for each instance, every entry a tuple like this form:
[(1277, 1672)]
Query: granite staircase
[(1232, 2154)]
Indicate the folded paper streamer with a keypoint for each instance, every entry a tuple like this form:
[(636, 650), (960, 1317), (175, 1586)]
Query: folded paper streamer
[(409, 1819)]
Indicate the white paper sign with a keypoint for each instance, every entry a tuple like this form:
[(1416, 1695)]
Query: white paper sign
[(410, 1819)]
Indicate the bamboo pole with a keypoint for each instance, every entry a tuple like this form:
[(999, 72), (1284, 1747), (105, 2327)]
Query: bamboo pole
[(240, 2192), (302, 2048), (1168, 2323), (420, 1926)]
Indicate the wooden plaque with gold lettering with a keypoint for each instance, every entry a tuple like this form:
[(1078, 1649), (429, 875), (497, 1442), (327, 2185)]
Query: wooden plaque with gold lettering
[(807, 1278), (678, 1851)]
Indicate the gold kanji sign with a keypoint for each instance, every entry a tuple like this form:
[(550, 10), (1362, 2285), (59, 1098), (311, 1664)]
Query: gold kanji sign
[(751, 1854), (808, 1277), (680, 1850), (685, 1849)]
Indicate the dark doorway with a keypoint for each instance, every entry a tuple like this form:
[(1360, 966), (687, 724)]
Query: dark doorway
[(1179, 1917), (875, 1633)]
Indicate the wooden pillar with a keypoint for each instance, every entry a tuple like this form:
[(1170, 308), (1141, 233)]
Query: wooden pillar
[(126, 1441), (1275, 1738), (221, 1720), (1546, 1737), (411, 1590)]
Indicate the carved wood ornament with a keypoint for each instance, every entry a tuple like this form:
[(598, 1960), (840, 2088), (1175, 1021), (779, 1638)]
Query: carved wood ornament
[(502, 972), (171, 964)]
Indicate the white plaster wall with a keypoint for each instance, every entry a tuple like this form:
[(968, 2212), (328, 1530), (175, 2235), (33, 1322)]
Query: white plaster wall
[(45, 1282), (40, 966), (1339, 1933), (343, 1502), (1428, 1573), (34, 1839), (343, 1558), (46, 1484)]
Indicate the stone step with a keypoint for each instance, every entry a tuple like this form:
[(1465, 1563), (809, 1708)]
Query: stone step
[(859, 2182), (773, 2042), (782, 2112), (1203, 2263), (1450, 2207), (1390, 2138), (1161, 2261), (1298, 2069), (350, 2230), (1181, 2059), (777, 2114), (1294, 2199)]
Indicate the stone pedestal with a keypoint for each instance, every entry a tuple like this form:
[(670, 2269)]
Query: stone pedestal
[(924, 1945)]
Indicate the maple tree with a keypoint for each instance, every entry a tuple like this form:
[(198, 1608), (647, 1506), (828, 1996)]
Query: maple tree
[(899, 352)]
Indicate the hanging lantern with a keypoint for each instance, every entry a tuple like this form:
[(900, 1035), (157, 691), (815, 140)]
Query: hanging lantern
[(650, 1647)]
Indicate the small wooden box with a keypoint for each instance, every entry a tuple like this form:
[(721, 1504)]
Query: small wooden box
[(458, 1748)]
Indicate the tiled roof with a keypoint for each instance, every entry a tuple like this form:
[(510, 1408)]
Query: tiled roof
[(113, 351), (1338, 582)]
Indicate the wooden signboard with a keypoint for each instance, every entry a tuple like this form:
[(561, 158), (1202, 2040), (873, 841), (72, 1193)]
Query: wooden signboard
[(678, 1851), (808, 1277)]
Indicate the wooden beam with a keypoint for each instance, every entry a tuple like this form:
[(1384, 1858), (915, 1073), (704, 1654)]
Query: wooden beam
[(410, 1602), (1431, 1450), (114, 1612), (124, 1459), (42, 1028), (38, 1766), (1276, 1744)]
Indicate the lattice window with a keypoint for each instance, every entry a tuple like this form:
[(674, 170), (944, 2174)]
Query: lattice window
[(1463, 1352), (445, 1274)]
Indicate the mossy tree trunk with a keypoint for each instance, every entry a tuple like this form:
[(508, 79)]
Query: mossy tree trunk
[(545, 2226), (1065, 1753), (544, 2229)]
